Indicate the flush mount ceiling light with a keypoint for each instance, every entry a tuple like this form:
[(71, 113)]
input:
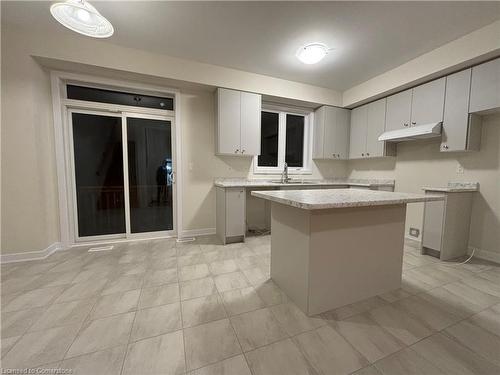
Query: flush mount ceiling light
[(312, 53), (83, 18)]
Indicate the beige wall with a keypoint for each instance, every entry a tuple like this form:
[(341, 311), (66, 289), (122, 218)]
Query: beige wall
[(421, 164), (29, 195)]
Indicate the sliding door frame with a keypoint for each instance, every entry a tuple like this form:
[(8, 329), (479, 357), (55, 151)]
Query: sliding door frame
[(62, 138), (146, 235)]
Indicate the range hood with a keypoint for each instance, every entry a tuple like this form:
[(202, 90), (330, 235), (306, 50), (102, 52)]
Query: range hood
[(411, 133)]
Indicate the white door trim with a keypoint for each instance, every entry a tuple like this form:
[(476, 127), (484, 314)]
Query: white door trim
[(60, 103)]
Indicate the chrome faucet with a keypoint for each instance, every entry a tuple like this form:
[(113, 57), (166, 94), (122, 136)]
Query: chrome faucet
[(284, 176)]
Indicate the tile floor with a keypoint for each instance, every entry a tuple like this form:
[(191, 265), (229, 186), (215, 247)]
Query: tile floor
[(161, 307)]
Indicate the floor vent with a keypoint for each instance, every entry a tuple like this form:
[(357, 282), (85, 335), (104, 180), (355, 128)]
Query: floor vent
[(102, 248)]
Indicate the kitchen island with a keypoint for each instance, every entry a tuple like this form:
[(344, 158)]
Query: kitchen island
[(334, 247)]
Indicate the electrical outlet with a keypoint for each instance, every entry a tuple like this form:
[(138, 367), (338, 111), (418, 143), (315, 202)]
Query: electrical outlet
[(460, 169), (414, 232)]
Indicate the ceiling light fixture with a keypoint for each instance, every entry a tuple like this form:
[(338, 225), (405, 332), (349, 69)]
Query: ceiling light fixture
[(83, 18), (312, 53)]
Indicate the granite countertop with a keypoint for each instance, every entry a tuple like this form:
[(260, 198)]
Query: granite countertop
[(243, 182), (455, 187), (340, 198)]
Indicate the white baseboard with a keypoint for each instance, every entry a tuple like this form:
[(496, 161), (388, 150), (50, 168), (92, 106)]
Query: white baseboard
[(492, 256), (30, 255), (197, 232)]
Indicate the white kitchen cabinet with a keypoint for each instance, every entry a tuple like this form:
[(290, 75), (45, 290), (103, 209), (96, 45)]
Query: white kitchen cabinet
[(375, 127), (427, 102), (357, 142), (237, 122), (461, 130), (331, 133), (485, 87), (367, 123), (446, 225), (230, 214), (398, 111), (250, 123)]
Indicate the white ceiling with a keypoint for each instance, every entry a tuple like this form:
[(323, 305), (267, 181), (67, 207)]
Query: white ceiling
[(368, 38)]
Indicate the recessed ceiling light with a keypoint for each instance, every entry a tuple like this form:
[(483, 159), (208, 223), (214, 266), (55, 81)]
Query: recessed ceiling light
[(83, 18), (312, 53)]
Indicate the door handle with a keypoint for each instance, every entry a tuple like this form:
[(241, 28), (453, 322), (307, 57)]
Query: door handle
[(172, 178)]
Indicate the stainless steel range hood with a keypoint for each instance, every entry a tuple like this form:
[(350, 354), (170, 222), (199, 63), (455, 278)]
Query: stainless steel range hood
[(431, 130)]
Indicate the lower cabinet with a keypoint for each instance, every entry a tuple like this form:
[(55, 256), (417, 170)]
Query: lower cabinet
[(231, 214), (446, 225)]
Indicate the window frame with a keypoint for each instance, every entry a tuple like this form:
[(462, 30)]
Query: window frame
[(308, 138)]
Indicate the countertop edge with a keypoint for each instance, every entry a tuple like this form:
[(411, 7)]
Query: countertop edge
[(361, 203)]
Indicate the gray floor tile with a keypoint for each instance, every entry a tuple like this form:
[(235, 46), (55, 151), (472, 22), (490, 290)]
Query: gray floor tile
[(101, 334), (158, 355), (238, 301), (197, 288), (116, 303), (282, 357), (64, 314), (202, 310), (159, 295), (38, 348), (156, 321), (328, 352), (232, 366), (210, 343), (104, 362), (257, 328)]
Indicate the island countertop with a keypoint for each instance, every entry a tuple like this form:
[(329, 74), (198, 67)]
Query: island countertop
[(341, 198)]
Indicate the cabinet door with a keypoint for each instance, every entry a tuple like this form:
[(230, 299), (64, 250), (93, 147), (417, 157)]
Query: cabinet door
[(398, 110), (375, 127), (235, 212), (228, 121), (485, 86), (357, 144), (319, 133), (250, 123), (433, 225), (428, 102), (341, 139), (456, 113), (336, 139)]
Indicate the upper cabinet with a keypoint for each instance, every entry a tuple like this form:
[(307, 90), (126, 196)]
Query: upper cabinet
[(485, 87), (427, 102), (461, 130), (331, 133), (367, 124), (398, 110), (418, 106), (237, 120)]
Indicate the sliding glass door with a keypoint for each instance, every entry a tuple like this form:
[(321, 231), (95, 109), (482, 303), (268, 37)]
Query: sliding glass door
[(150, 174), (123, 168)]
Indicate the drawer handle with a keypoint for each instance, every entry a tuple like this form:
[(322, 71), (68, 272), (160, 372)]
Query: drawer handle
[(236, 151), (242, 151)]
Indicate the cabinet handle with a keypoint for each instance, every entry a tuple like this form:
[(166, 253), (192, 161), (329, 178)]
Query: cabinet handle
[(236, 151), (405, 124), (413, 123), (362, 154), (334, 155), (242, 151), (367, 154), (445, 147)]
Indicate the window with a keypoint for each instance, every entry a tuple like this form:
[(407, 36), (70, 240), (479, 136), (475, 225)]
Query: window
[(285, 137), (117, 97)]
